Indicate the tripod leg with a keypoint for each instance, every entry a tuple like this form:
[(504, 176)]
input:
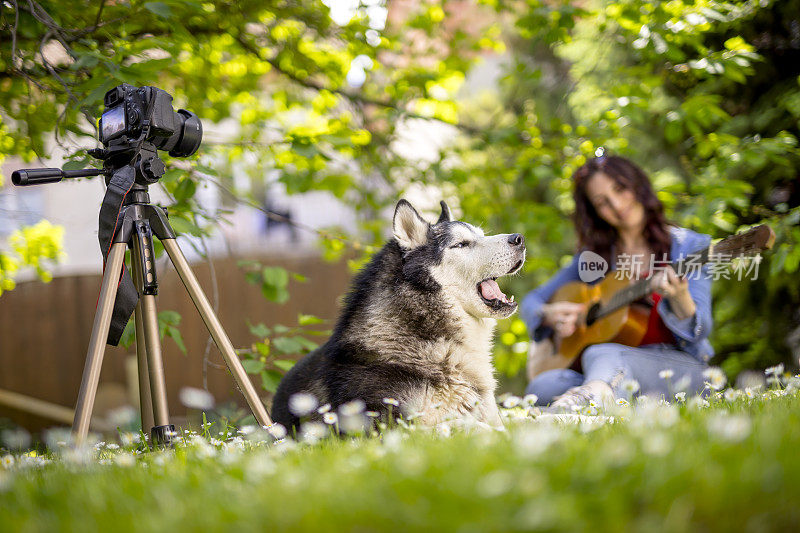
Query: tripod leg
[(152, 385), (155, 365), (217, 333), (145, 402), (97, 342)]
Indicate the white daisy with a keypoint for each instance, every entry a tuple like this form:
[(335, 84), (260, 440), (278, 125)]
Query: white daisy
[(631, 386), (715, 377), (302, 404), (193, 398)]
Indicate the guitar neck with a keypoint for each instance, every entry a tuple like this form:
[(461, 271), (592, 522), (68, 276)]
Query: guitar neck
[(641, 288), (625, 297), (747, 243)]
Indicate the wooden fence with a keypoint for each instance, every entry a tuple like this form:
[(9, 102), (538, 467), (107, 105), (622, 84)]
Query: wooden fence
[(45, 328)]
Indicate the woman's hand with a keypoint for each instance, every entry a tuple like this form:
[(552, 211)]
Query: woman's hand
[(675, 289), (562, 317)]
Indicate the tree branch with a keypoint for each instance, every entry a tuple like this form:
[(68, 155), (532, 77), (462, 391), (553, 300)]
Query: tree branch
[(354, 97)]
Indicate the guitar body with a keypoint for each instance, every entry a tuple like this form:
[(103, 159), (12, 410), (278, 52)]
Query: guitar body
[(626, 325)]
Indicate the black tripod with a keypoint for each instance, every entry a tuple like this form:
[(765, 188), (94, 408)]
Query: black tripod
[(137, 222)]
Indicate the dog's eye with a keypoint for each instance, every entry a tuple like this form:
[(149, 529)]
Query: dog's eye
[(461, 244)]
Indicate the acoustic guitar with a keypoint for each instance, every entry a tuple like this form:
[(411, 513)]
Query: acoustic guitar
[(610, 314)]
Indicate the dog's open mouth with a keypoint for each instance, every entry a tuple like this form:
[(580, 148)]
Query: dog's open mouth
[(492, 296)]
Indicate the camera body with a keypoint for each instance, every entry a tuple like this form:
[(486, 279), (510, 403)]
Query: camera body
[(131, 110), (139, 121)]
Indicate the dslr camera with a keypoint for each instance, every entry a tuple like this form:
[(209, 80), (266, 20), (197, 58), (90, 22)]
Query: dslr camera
[(136, 124), (139, 121)]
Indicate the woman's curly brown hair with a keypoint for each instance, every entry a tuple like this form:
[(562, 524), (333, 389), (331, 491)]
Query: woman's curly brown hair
[(599, 236)]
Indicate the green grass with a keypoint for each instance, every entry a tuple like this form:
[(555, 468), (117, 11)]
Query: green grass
[(732, 466)]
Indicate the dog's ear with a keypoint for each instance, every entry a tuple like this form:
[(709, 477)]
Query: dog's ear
[(408, 227), (446, 216)]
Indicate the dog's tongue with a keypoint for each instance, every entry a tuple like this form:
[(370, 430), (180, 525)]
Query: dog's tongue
[(491, 291)]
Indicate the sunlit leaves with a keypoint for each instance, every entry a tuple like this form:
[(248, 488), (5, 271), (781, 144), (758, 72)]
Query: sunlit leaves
[(38, 246)]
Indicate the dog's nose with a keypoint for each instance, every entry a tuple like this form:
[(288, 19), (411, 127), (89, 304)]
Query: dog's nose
[(516, 239)]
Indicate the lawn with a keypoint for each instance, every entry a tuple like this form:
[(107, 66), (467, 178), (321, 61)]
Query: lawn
[(727, 464)]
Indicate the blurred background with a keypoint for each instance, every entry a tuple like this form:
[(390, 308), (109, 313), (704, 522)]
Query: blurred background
[(320, 115)]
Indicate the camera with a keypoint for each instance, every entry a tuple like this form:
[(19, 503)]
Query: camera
[(135, 114), (136, 124)]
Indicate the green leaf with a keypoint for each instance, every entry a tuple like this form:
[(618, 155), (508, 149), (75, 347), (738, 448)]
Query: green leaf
[(307, 320), (96, 95), (185, 190), (260, 330), (275, 294), (318, 333), (253, 366), (307, 344), (129, 334), (275, 276), (172, 318), (87, 61), (248, 263), (159, 8), (184, 226), (287, 345), (175, 334), (210, 171), (168, 322), (270, 379), (284, 364), (77, 164)]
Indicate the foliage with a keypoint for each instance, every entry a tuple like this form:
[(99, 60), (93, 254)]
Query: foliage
[(168, 322), (704, 94), (31, 246), (278, 70), (657, 467), (267, 357), (272, 280)]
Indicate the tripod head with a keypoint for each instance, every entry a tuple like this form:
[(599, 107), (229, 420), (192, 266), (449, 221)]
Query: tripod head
[(39, 176), (143, 159)]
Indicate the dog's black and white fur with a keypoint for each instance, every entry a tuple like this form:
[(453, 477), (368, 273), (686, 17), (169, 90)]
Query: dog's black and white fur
[(417, 326)]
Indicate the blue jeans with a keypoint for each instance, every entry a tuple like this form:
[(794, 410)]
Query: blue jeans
[(615, 363)]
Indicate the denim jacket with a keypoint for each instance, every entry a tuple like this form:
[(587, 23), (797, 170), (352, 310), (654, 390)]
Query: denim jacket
[(691, 334)]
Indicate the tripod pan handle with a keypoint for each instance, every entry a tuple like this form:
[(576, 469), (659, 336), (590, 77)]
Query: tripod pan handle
[(36, 176)]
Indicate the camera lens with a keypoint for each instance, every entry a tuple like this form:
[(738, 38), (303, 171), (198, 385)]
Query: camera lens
[(186, 139), (190, 130)]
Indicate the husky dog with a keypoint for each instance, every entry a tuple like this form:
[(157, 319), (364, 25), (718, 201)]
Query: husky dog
[(417, 326)]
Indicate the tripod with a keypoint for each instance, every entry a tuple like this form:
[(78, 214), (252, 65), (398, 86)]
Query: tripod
[(137, 222)]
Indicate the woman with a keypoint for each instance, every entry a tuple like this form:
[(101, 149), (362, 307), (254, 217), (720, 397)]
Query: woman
[(617, 215)]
